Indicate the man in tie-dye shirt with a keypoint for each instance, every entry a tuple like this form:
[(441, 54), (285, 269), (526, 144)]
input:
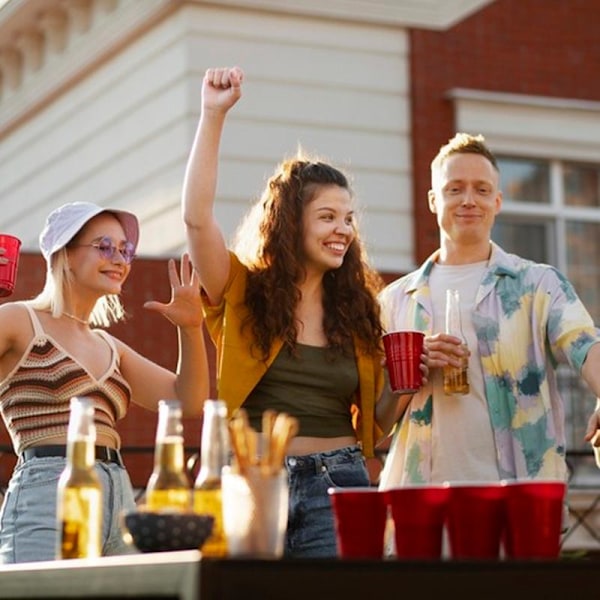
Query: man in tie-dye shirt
[(520, 319)]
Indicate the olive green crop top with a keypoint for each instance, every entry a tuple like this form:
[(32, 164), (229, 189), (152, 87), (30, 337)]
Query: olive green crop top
[(312, 387)]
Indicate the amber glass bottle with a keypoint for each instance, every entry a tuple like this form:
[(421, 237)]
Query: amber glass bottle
[(214, 455), (169, 487), (79, 494), (456, 379)]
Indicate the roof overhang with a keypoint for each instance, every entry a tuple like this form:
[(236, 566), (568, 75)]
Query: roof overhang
[(426, 14)]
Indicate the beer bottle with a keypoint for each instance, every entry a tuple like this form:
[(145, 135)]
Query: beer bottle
[(214, 455), (169, 488), (79, 494), (456, 380)]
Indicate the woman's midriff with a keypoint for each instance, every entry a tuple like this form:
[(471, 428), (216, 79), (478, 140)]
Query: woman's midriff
[(61, 440), (311, 445)]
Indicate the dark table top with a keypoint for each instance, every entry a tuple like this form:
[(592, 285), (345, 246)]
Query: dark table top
[(309, 579), (186, 576)]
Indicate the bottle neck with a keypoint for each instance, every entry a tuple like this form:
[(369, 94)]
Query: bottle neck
[(81, 453), (214, 451), (169, 454), (453, 319), (169, 420), (81, 435)]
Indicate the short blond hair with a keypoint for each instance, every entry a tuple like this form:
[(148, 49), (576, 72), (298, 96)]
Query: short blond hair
[(463, 143)]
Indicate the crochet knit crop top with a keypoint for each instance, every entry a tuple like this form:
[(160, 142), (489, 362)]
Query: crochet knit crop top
[(35, 396)]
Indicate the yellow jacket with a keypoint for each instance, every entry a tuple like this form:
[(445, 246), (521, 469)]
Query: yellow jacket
[(238, 370)]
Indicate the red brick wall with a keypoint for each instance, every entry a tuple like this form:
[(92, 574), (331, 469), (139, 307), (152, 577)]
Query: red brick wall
[(538, 47), (147, 332)]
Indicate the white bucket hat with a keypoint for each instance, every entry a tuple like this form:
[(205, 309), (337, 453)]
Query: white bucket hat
[(65, 222)]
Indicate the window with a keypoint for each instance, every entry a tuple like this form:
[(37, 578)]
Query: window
[(551, 213)]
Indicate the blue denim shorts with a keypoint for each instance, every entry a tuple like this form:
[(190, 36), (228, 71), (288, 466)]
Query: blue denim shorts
[(28, 529), (311, 530)]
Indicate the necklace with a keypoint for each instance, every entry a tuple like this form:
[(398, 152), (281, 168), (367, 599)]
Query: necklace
[(82, 321)]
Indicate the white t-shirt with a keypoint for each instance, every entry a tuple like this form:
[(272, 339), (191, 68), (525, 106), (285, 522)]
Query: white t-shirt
[(463, 443)]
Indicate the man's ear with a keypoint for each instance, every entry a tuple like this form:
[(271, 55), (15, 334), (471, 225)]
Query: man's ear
[(431, 201), (498, 202)]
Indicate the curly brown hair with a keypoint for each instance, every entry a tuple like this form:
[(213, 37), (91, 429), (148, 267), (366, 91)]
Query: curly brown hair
[(270, 243)]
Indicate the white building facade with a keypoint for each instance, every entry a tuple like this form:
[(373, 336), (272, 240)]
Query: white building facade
[(100, 99)]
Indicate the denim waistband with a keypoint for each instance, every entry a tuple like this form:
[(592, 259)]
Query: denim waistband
[(103, 453), (315, 462)]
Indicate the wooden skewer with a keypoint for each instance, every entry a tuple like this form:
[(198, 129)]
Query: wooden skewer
[(284, 429), (252, 443), (235, 446), (268, 421), (239, 441), (277, 431)]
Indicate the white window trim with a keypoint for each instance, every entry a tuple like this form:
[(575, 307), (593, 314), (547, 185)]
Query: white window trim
[(537, 126), (556, 129)]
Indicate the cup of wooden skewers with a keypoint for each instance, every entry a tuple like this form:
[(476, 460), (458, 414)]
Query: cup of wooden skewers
[(255, 487)]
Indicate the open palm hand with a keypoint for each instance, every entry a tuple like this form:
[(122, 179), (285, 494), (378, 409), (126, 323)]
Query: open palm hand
[(185, 308)]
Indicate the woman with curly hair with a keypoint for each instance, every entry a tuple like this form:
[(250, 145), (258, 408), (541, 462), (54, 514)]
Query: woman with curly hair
[(294, 316)]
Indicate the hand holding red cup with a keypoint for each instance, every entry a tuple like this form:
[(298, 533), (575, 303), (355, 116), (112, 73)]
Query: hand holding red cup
[(403, 351), (9, 262)]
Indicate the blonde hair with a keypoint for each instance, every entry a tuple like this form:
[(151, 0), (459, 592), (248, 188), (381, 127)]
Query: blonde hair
[(463, 143), (107, 310)]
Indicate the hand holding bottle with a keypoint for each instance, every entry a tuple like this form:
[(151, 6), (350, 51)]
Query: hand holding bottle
[(456, 379)]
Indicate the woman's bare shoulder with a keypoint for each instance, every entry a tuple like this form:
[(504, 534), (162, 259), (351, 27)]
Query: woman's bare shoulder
[(14, 311), (15, 330)]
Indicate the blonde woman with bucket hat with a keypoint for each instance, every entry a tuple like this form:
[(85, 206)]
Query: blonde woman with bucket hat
[(53, 348)]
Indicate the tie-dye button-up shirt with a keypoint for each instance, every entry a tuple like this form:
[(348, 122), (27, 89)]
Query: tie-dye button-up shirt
[(528, 318)]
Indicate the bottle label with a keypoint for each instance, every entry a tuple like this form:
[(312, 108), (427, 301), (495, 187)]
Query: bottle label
[(456, 379), (169, 488), (174, 499), (210, 502), (80, 522)]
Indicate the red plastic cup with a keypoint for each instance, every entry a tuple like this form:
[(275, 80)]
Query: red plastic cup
[(419, 513), (534, 513), (360, 515), (475, 519), (8, 271), (403, 351)]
